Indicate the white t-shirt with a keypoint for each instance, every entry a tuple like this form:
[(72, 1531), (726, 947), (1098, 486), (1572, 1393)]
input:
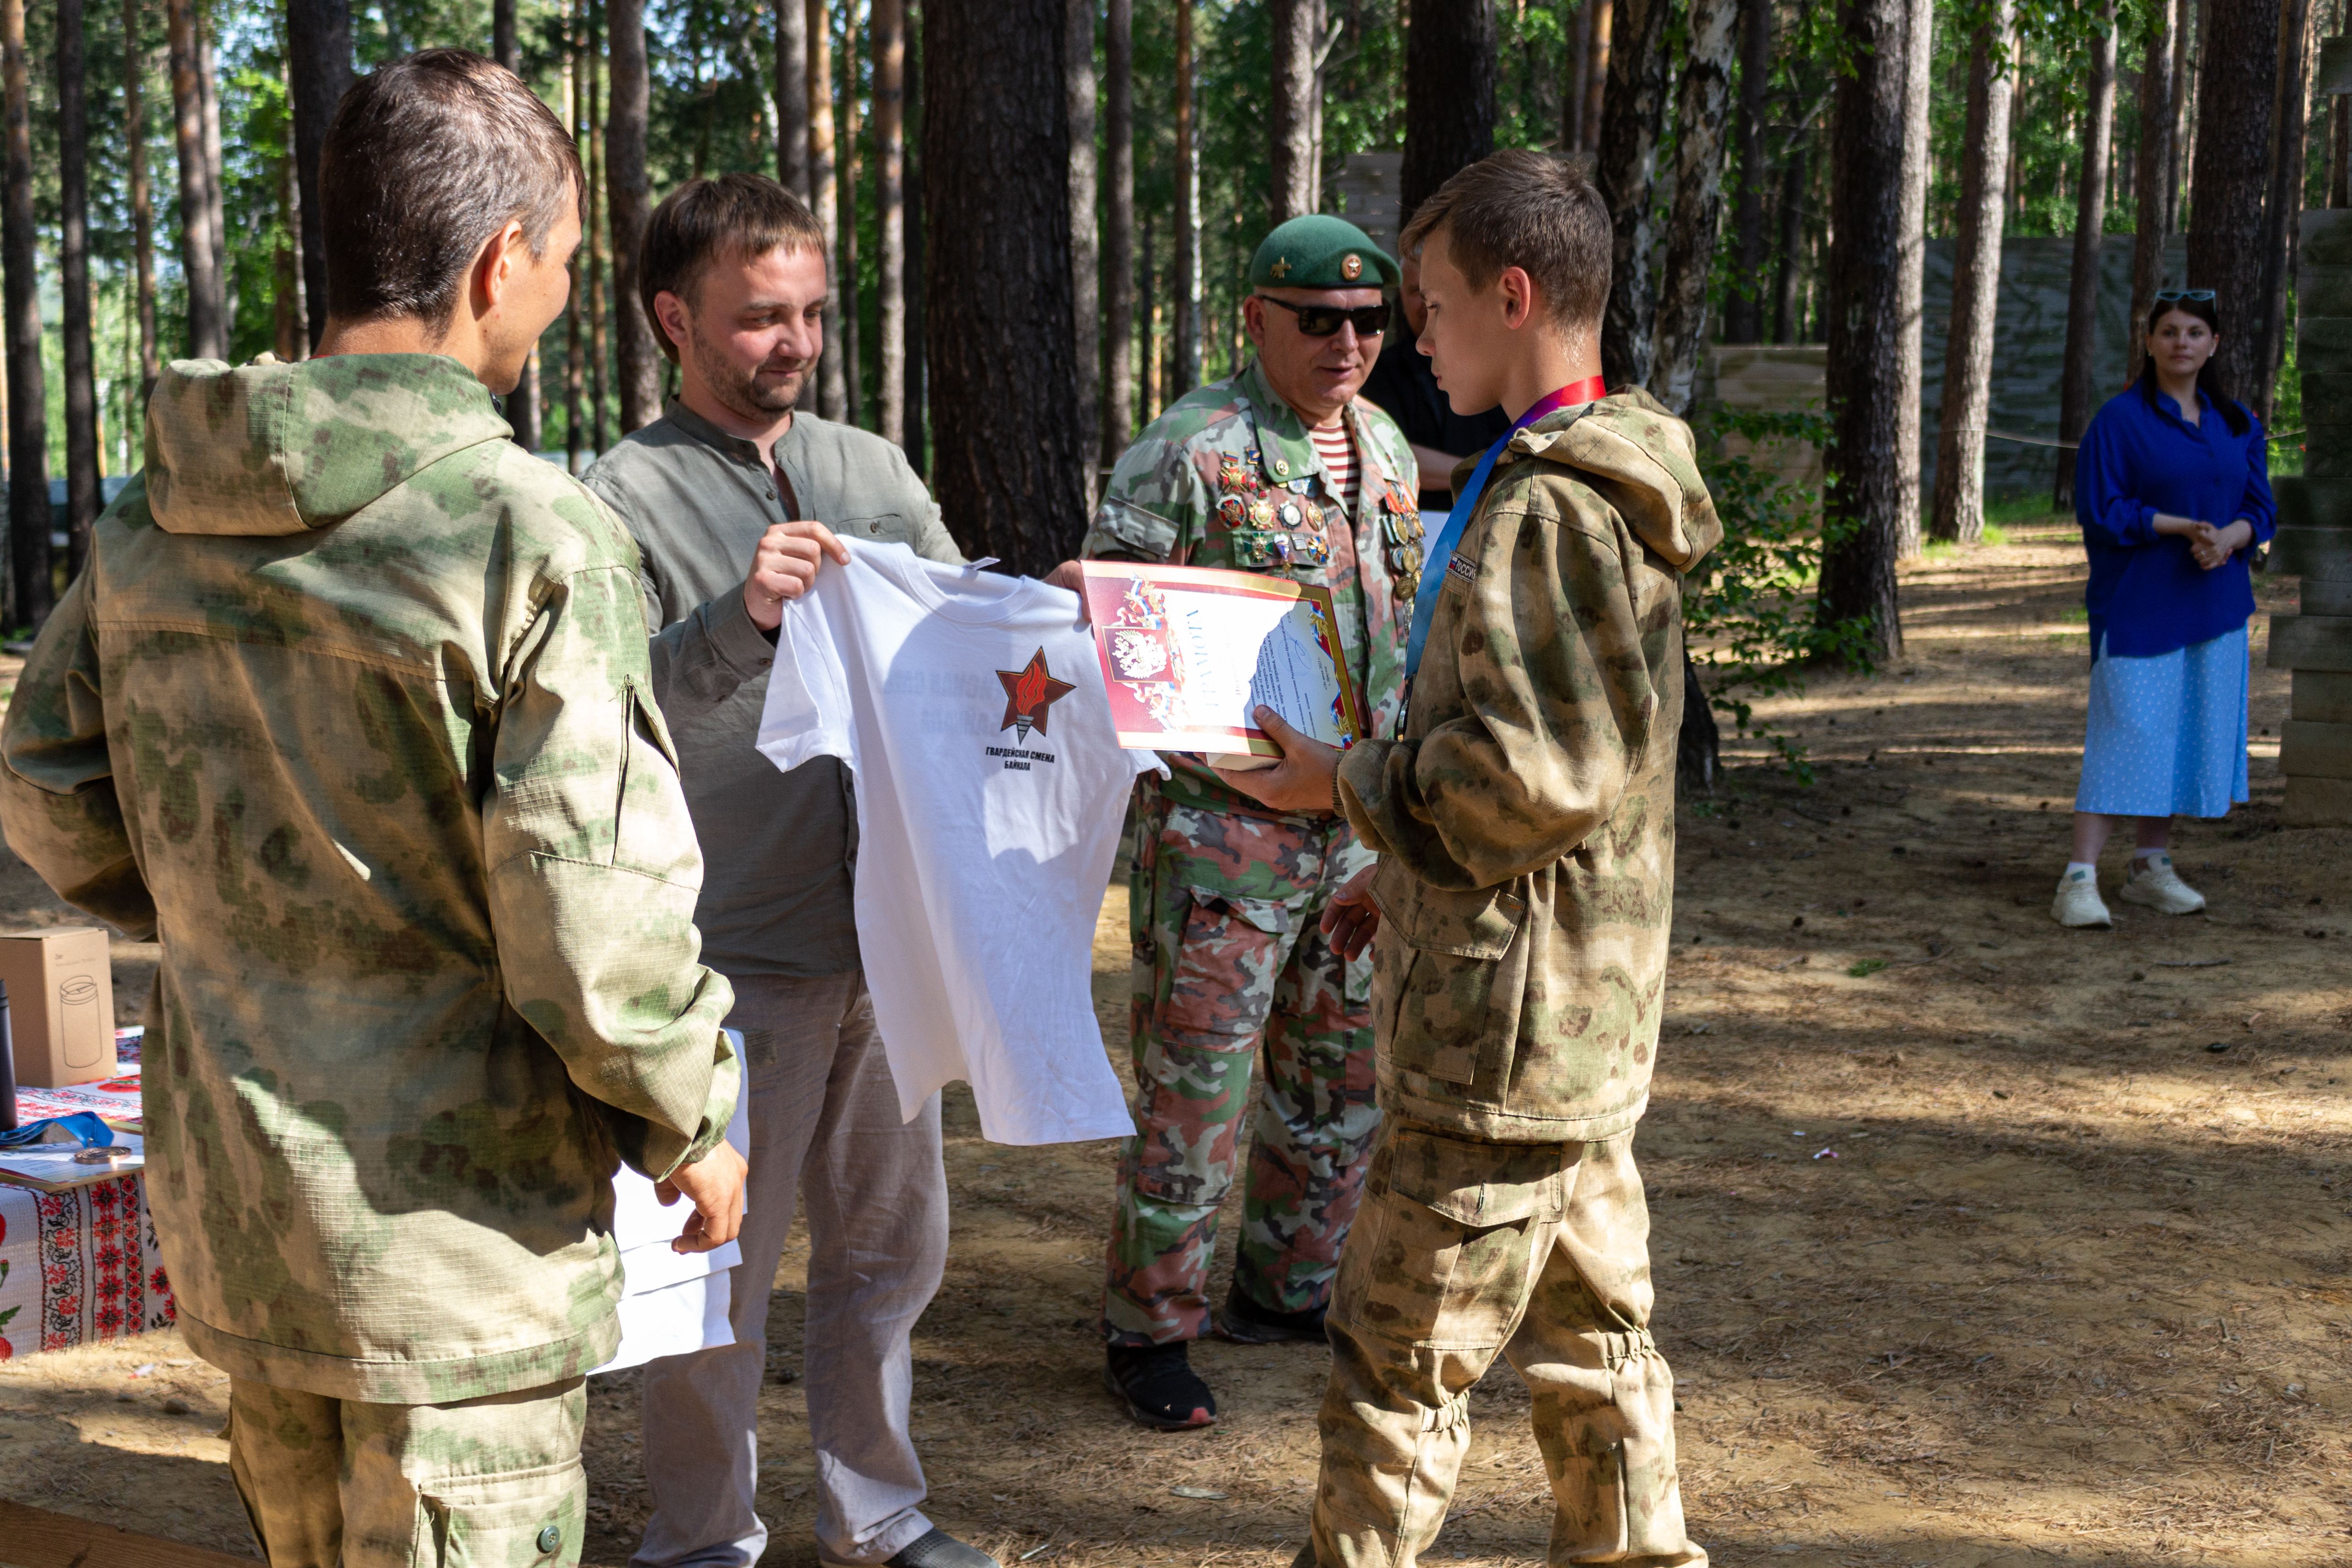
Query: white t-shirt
[(991, 787)]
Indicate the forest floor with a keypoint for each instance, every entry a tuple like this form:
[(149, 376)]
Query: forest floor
[(2075, 1289)]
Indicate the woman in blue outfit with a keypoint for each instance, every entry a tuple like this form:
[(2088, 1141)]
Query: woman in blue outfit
[(2172, 490)]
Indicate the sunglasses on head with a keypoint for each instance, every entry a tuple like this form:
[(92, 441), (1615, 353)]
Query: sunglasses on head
[(2166, 296), (1323, 320)]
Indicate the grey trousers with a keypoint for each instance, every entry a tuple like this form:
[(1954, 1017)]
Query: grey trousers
[(825, 1128)]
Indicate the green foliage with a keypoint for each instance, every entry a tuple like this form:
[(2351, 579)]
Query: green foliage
[(1752, 598), (1863, 968)]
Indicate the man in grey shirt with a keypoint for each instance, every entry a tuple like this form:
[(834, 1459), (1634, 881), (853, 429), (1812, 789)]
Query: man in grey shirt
[(733, 277)]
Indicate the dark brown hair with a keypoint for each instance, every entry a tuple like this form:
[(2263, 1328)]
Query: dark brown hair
[(2208, 378), (704, 221), (426, 159), (1527, 210)]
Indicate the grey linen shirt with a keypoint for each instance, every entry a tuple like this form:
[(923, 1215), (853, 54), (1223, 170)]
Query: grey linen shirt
[(778, 850)]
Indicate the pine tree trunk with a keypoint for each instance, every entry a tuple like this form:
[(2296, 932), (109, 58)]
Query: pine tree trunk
[(918, 443), (596, 205), (290, 331), (1861, 504), (20, 335), (522, 403), (888, 27), (1596, 81), (2152, 175), (576, 439), (1119, 231), (1633, 119), (2281, 214), (1579, 69), (832, 399), (2238, 81), (215, 210), (142, 201), (1786, 323), (792, 98), (1185, 361), (1695, 224), (1975, 279), (73, 277), (208, 334), (1449, 95), (848, 283), (2078, 371), (1743, 302), (319, 71), (1911, 279), (1009, 463), (1086, 275), (1290, 124), (637, 362)]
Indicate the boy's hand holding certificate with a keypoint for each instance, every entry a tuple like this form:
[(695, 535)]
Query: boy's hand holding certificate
[(1189, 655)]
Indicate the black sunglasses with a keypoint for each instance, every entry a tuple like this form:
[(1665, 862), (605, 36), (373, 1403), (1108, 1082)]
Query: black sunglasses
[(1323, 320), (2166, 296)]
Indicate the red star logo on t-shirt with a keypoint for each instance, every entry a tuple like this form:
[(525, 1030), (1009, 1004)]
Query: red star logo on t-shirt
[(1029, 691)]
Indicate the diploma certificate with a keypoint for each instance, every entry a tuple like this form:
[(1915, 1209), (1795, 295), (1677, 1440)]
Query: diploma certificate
[(1187, 653)]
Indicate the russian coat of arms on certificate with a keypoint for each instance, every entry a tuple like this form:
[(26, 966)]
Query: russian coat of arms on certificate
[(1187, 653)]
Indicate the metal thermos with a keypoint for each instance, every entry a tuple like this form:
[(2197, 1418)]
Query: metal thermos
[(7, 1066)]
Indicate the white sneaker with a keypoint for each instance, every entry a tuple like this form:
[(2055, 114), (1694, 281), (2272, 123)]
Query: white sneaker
[(2078, 901), (2153, 882)]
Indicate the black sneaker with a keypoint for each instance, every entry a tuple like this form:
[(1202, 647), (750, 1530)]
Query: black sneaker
[(1160, 1386), (1244, 1322)]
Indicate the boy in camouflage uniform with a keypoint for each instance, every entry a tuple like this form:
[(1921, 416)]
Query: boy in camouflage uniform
[(1519, 910), (351, 711), (1225, 895)]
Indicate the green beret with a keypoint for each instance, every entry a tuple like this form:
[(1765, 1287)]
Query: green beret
[(1319, 251)]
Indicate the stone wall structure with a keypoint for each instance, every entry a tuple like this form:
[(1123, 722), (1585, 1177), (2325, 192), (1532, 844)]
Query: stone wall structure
[(2314, 536)]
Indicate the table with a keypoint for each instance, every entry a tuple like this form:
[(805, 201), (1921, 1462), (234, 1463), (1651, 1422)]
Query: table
[(81, 1266)]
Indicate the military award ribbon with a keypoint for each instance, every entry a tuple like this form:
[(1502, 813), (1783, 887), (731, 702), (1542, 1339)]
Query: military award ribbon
[(1440, 549)]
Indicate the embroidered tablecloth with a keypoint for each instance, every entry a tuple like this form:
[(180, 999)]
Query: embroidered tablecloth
[(80, 1266)]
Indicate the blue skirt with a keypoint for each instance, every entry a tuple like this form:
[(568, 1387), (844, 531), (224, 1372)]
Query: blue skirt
[(2166, 734)]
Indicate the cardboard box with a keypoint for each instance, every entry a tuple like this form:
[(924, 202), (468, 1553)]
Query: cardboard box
[(61, 1005)]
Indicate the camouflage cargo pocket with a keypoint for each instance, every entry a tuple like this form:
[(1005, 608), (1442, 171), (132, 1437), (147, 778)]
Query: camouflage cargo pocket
[(648, 811), (1222, 987), (1455, 1243), (1444, 1019), (522, 1519)]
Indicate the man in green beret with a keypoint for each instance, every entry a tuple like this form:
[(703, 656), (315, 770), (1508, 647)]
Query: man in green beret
[(1280, 469)]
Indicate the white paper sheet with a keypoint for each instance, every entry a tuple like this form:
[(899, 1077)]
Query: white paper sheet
[(672, 1302)]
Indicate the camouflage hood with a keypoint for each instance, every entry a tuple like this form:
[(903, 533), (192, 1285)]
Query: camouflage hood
[(270, 448), (1645, 463)]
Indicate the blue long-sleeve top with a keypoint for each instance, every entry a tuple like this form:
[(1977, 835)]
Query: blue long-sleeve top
[(2148, 595)]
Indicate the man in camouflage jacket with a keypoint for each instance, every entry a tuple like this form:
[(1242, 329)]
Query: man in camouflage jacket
[(1524, 827), (1225, 895), (350, 711)]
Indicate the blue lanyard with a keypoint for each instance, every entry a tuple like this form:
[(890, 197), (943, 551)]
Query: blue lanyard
[(1440, 549)]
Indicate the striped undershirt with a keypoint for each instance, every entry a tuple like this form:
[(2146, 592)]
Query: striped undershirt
[(1339, 456)]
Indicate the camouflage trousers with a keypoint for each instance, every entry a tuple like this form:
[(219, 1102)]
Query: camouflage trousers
[(1539, 1251), (493, 1483), (1230, 968)]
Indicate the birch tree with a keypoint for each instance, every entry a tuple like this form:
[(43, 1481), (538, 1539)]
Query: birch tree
[(1958, 511), (2075, 389)]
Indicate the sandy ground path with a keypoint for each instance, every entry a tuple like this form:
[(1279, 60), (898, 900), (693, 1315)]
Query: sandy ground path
[(2076, 1288)]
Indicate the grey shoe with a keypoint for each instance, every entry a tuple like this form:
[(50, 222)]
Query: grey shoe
[(2078, 902), (937, 1549), (2153, 882)]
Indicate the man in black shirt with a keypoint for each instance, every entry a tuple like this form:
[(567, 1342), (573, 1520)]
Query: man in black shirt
[(1401, 386)]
